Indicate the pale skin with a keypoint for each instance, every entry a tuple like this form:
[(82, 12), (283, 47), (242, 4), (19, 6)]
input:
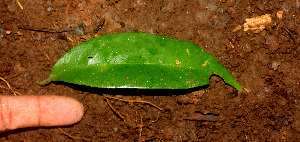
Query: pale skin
[(38, 111)]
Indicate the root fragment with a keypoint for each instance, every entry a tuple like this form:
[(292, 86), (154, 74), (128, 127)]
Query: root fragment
[(72, 137), (106, 97), (138, 101), (113, 109), (9, 87)]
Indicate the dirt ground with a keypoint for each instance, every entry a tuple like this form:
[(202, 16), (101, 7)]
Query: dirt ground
[(34, 35)]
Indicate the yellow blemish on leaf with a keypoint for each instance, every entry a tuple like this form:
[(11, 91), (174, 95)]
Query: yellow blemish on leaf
[(177, 63), (203, 65)]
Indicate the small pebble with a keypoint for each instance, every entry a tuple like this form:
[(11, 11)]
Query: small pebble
[(275, 65), (49, 9)]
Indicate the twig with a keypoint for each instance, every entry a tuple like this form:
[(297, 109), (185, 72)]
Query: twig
[(19, 4), (5, 82), (202, 117), (15, 92), (246, 89), (9, 87), (100, 25), (72, 137), (13, 76), (293, 36), (114, 110), (45, 30), (141, 129), (138, 101), (46, 55), (70, 39)]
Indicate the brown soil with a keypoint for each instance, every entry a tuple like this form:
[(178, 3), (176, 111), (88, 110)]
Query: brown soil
[(265, 63)]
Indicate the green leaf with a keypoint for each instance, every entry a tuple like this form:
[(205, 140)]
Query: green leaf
[(137, 60)]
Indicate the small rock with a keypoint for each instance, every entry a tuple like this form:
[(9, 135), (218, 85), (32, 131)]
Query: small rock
[(275, 65), (282, 101), (12, 7), (49, 9), (79, 29), (271, 40), (1, 34), (19, 69), (184, 99)]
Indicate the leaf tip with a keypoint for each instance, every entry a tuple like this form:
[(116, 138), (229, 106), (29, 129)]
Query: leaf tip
[(239, 88), (234, 84)]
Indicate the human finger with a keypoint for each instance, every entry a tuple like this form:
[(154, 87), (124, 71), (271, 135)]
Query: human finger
[(38, 111)]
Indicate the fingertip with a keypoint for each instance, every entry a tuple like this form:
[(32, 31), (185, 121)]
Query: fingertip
[(59, 110)]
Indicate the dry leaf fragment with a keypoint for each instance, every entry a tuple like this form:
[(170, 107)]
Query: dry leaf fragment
[(19, 33), (8, 32), (257, 24), (237, 28), (279, 14)]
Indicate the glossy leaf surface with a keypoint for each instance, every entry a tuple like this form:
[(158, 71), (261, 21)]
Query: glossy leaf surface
[(137, 60)]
